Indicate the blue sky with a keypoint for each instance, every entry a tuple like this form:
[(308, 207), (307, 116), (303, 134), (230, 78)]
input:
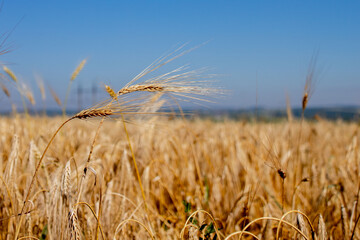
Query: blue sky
[(273, 40)]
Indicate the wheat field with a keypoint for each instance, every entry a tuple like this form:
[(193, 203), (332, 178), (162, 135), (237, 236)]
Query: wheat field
[(201, 179), (134, 166)]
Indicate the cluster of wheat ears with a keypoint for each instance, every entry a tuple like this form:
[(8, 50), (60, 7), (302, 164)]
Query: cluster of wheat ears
[(164, 178)]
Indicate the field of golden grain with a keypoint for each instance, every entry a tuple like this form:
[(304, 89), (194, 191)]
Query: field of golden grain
[(200, 179)]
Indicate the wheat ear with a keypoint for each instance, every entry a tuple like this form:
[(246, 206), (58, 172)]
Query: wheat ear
[(72, 78)]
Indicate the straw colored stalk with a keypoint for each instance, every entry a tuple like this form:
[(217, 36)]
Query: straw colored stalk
[(55, 96), (5, 90), (14, 78), (74, 225), (310, 82), (322, 234), (30, 96), (10, 73), (72, 78), (78, 70), (111, 92), (40, 83), (65, 181)]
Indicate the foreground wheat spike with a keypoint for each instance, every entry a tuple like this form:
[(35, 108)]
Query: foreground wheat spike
[(90, 113)]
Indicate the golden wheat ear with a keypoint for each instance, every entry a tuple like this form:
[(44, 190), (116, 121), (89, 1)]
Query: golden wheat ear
[(74, 226), (10, 74), (5, 90), (91, 113), (322, 234)]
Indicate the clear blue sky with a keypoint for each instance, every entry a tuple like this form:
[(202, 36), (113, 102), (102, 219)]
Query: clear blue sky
[(273, 39)]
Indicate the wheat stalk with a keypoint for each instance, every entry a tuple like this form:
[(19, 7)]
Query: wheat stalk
[(14, 78), (55, 96), (74, 225), (310, 82), (78, 70), (65, 182), (10, 73), (322, 229), (111, 92), (72, 78), (5, 90), (301, 225), (344, 222)]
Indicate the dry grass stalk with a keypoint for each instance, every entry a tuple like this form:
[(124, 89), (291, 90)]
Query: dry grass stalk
[(78, 69), (111, 92), (74, 226), (302, 225), (353, 215), (19, 87), (30, 96), (310, 82), (34, 155), (10, 73), (322, 234), (10, 170), (73, 76), (5, 90), (288, 110), (55, 96), (66, 182), (344, 222), (41, 85)]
